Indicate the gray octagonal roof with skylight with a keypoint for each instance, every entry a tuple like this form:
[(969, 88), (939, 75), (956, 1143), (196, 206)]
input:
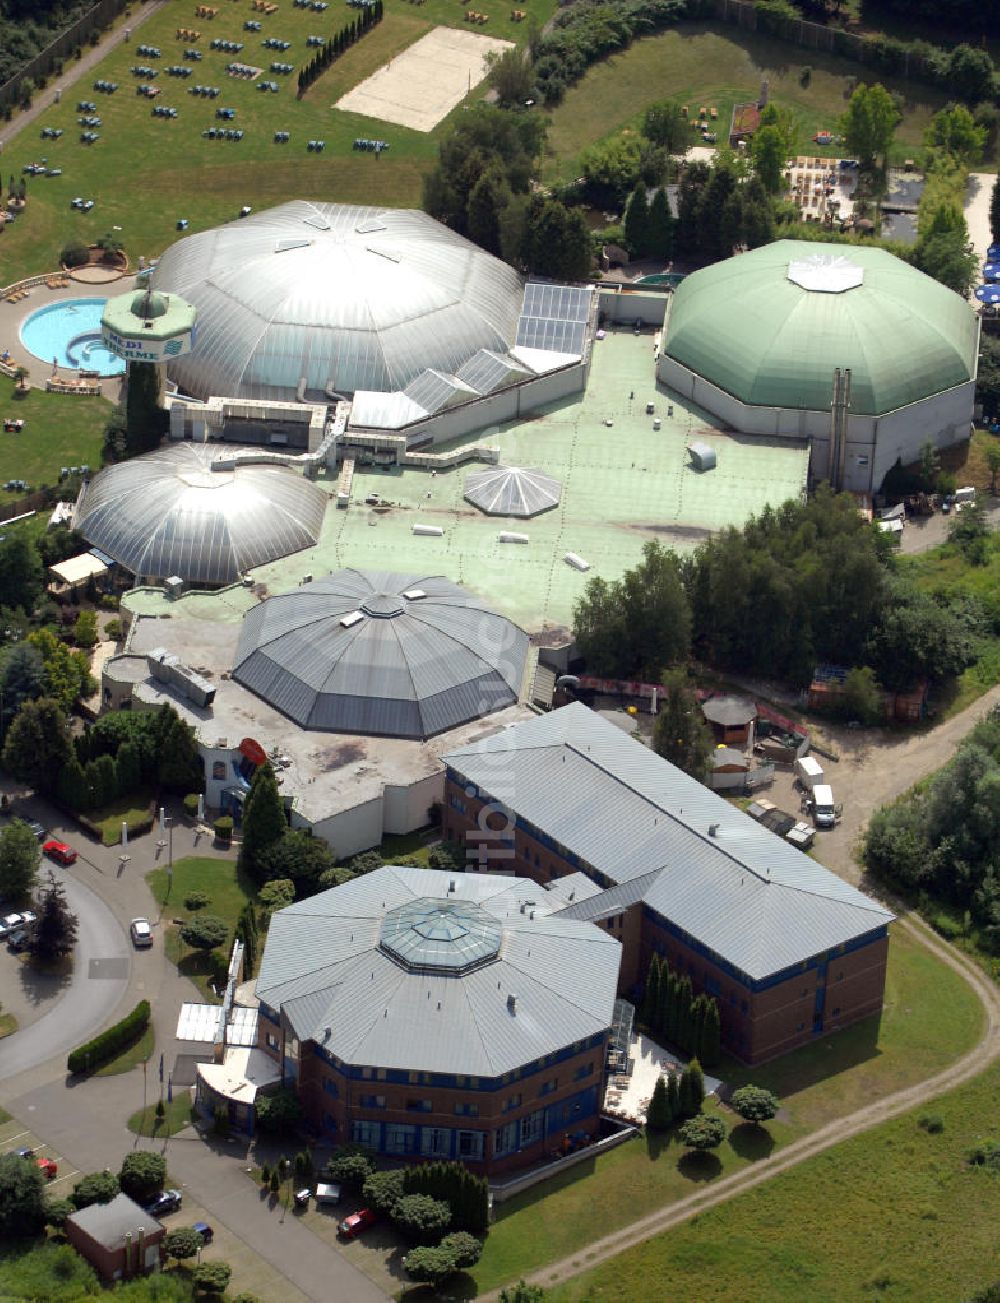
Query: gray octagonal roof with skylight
[(445, 936)]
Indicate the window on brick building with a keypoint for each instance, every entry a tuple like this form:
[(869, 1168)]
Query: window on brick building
[(505, 1139), (435, 1142), (512, 1101), (272, 1041), (372, 1101), (532, 1127), (400, 1139), (365, 1133), (419, 1105), (467, 1110), (470, 1144), (330, 1087), (549, 1086), (584, 1070)]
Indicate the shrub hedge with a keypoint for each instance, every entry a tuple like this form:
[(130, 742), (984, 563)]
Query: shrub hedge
[(111, 1041)]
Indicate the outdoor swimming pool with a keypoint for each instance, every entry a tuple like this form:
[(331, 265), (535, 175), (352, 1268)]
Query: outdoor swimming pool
[(70, 332)]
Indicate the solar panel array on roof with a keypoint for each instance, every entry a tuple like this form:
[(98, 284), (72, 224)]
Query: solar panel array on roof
[(554, 318)]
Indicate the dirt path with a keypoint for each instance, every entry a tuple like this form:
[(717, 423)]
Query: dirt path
[(969, 1066), (877, 766), (74, 70)]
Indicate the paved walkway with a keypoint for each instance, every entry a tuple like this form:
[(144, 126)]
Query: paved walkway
[(977, 212), (85, 1120)]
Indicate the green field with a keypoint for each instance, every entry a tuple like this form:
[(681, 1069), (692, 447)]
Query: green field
[(931, 1018), (227, 893), (894, 1214), (59, 431), (701, 67), (146, 173)]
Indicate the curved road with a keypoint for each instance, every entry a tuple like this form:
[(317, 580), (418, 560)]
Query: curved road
[(101, 967)]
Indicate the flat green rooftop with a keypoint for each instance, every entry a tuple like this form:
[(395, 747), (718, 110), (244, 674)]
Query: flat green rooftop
[(620, 485)]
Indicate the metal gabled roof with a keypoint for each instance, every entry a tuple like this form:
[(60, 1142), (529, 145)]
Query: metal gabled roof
[(743, 893), (381, 654), (324, 967)]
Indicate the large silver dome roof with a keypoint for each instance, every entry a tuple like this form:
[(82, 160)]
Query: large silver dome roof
[(168, 513), (340, 297), (381, 654)]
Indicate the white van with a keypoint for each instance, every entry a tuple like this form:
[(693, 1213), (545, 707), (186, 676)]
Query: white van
[(808, 772), (821, 806)]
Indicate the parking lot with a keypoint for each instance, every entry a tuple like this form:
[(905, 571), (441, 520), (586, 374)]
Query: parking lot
[(250, 1272)]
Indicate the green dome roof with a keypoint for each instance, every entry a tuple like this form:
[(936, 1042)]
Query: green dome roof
[(771, 325), (148, 305)]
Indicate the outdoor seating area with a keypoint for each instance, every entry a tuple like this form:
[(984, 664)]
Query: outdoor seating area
[(194, 55), (163, 111), (317, 5), (106, 87), (317, 146), (51, 133), (269, 85), (282, 137), (227, 115), (630, 1090), (223, 133), (150, 92), (204, 11), (245, 71), (473, 16), (227, 47), (821, 187), (178, 70), (17, 295), (73, 385), (370, 146), (273, 43), (89, 137), (90, 120), (144, 70), (154, 51), (13, 425), (187, 34), (86, 106), (82, 205), (55, 283), (206, 92), (263, 7), (282, 68)]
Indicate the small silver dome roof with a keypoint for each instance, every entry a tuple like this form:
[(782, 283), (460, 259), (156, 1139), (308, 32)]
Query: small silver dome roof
[(168, 513)]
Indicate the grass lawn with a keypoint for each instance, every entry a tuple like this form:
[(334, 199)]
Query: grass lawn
[(140, 1052), (931, 1017), (58, 432), (894, 1214), (127, 809), (145, 173), (8, 1025), (227, 892), (178, 1114), (4, 1116), (411, 846), (699, 66)]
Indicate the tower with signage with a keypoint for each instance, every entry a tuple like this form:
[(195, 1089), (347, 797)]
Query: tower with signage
[(149, 326)]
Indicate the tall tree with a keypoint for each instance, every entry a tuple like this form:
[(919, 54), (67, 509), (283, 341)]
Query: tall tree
[(145, 421), (487, 200), (658, 1116), (995, 211), (869, 125), (181, 768), (665, 124), (680, 733), (19, 859), (511, 76), (38, 744), (661, 226), (22, 1198), (711, 1042), (54, 933), (635, 626), (21, 573), (23, 680), (651, 995), (637, 222), (693, 183), (65, 673), (264, 821), (955, 130), (769, 158), (692, 1089)]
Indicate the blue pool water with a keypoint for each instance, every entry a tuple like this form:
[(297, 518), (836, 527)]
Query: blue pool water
[(70, 332)]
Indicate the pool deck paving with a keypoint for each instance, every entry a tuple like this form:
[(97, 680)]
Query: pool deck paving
[(13, 314)]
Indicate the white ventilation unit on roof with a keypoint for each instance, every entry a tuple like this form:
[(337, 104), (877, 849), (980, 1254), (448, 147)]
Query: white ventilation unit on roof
[(351, 619), (414, 594)]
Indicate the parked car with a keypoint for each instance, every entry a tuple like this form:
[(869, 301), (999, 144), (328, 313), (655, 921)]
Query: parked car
[(25, 1153), (205, 1231), (36, 828), (946, 502), (49, 1167), (353, 1226), (302, 1197), (167, 1201), (10, 923), (19, 940), (142, 933), (327, 1192), (59, 852)]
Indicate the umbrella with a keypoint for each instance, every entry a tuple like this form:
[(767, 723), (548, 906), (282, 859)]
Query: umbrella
[(988, 293), (991, 272)]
